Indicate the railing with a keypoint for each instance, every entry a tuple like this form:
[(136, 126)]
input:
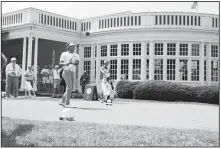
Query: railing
[(12, 19)]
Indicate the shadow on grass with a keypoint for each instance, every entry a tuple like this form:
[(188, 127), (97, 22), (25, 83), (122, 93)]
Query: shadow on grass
[(10, 140)]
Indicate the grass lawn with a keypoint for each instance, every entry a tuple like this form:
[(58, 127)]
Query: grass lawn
[(17, 132)]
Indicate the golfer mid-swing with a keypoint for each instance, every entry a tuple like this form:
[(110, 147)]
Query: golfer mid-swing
[(68, 61)]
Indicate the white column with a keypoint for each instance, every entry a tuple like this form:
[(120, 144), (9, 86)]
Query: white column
[(151, 61), (201, 72), (29, 50), (143, 61), (208, 64), (35, 63), (164, 61), (130, 67), (98, 63), (177, 78), (92, 64), (23, 64), (118, 62)]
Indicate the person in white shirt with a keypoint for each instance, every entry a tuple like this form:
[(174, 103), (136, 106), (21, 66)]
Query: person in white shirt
[(69, 60), (50, 78), (45, 73), (57, 79), (13, 72), (29, 77)]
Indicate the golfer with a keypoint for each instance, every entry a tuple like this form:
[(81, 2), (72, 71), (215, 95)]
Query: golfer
[(105, 73), (68, 61)]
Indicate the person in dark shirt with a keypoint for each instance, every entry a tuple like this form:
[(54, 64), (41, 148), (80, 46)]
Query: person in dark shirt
[(84, 80)]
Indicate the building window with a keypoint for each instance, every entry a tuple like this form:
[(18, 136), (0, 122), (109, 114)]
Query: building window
[(139, 18), (121, 21), (212, 22), (214, 71), (131, 20), (48, 21), (81, 26), (180, 19), (204, 70), (68, 27), (136, 69), (195, 21), (184, 20), (184, 49), (95, 52), (135, 20), (111, 22), (148, 48), (183, 70), (164, 19), (114, 22), (113, 50), (128, 21), (205, 49), (214, 51), (87, 52), (147, 69), (124, 69), (117, 22), (195, 50), (113, 69), (168, 20), (95, 69), (175, 20), (199, 21), (108, 23), (105, 23), (156, 21), (191, 20), (137, 49), (102, 23), (160, 19), (171, 20), (158, 69), (195, 70), (87, 67), (188, 20), (84, 26), (104, 51), (216, 23), (44, 19), (41, 18), (171, 69), (99, 24), (124, 49), (125, 21), (158, 48), (75, 25), (171, 49)]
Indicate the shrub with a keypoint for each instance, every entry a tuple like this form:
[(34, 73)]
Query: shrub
[(162, 91), (124, 89)]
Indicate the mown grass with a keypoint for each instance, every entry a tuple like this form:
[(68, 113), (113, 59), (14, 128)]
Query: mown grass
[(17, 132)]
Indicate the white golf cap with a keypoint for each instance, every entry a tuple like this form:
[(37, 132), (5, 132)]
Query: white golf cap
[(13, 59), (56, 66), (106, 61), (70, 44)]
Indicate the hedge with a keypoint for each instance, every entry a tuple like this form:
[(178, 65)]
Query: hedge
[(124, 89), (167, 91)]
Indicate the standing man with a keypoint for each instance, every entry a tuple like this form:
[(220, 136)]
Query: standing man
[(69, 60), (45, 73), (13, 72), (50, 79), (84, 80), (57, 80)]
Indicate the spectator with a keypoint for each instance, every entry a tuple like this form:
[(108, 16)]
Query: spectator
[(57, 79), (45, 74), (50, 79), (29, 76), (13, 72), (84, 80)]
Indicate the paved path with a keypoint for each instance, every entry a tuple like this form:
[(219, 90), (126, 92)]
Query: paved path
[(157, 114)]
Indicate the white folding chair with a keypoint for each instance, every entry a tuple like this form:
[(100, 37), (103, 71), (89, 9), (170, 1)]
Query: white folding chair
[(29, 88)]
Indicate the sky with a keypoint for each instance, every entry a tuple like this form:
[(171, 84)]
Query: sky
[(82, 10)]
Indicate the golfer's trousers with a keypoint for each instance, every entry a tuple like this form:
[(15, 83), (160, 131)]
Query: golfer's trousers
[(69, 80), (12, 83)]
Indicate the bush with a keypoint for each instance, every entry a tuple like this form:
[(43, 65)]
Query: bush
[(167, 91), (162, 91), (124, 89)]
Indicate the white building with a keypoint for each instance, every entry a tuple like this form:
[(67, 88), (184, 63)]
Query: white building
[(173, 46)]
